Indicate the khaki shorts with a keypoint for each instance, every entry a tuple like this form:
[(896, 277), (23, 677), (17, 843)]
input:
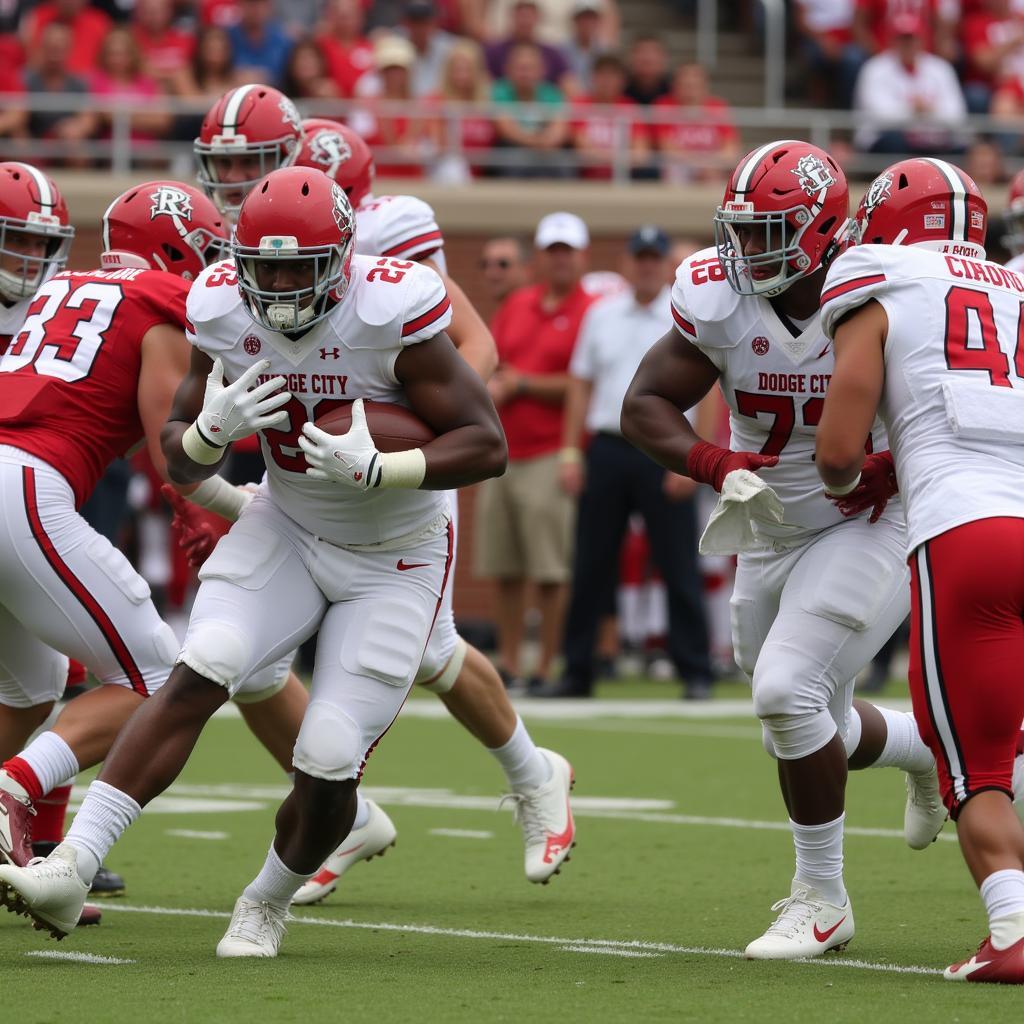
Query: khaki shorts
[(523, 527)]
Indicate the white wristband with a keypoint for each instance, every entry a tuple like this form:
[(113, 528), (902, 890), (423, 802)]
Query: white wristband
[(402, 469), (198, 449), (217, 495), (843, 490)]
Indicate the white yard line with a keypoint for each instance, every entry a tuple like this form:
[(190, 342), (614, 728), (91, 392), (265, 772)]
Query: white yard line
[(188, 833), (81, 958), (609, 952), (641, 945), (461, 833)]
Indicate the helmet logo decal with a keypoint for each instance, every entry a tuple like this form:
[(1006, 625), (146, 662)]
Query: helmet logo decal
[(935, 222), (977, 220), (170, 202), (342, 216), (290, 114), (330, 150), (813, 176), (878, 192)]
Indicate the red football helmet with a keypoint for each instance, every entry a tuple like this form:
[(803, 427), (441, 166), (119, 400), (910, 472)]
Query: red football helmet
[(35, 236), (924, 202), (297, 224), (251, 131), (1014, 216), (796, 195), (163, 225), (340, 152)]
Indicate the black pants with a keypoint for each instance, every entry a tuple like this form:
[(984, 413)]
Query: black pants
[(621, 480)]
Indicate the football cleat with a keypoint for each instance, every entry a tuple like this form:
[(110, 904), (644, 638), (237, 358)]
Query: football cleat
[(16, 812), (89, 915), (49, 891), (1018, 779), (807, 925), (256, 929), (545, 816), (925, 813), (106, 883), (1003, 966), (372, 840)]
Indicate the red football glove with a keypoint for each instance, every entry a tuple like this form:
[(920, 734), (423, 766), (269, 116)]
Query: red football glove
[(198, 531), (709, 464), (877, 485)]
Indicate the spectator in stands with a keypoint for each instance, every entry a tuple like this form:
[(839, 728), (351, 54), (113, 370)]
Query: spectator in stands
[(700, 143), (297, 16), (118, 76), (993, 40), (306, 75), (589, 39), (553, 20), (432, 45), (166, 50), (48, 73), (349, 53), (826, 36), (614, 480), (461, 17), (525, 15), (528, 535), (222, 13), (534, 141), (87, 26), (939, 20), (598, 137), (648, 70), (464, 79), (984, 163), (405, 137), (12, 53), (13, 114), (909, 101), (259, 43), (212, 73), (503, 267)]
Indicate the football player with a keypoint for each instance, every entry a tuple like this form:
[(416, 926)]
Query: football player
[(1013, 219), (816, 593), (927, 334), (332, 524)]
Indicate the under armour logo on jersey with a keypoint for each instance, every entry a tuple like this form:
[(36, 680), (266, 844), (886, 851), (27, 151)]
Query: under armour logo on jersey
[(329, 150), (330, 353), (813, 176), (170, 202)]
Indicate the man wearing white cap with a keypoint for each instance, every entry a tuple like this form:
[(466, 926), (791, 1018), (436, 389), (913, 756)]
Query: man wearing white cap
[(527, 517)]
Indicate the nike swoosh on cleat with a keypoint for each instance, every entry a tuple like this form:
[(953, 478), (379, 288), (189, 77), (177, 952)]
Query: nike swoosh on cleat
[(826, 935), (324, 877), (556, 844), (970, 967)]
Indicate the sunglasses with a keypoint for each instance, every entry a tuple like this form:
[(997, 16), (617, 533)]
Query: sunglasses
[(501, 264)]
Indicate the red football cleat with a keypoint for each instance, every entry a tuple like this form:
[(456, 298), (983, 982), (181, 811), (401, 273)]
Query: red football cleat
[(89, 915), (1002, 966), (15, 829)]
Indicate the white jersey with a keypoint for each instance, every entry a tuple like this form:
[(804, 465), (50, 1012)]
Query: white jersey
[(11, 319), (952, 403), (403, 227), (349, 354), (773, 382)]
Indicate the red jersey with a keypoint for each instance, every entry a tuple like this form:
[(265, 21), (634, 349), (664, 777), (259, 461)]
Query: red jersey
[(704, 129), (531, 340), (69, 380)]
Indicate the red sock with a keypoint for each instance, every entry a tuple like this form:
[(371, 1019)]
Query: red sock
[(22, 773), (76, 673), (48, 824)]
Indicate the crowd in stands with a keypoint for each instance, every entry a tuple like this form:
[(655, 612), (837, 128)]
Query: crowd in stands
[(404, 63), (926, 63)]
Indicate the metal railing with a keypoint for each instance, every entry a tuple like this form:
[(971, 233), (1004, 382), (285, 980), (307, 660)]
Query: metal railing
[(436, 155)]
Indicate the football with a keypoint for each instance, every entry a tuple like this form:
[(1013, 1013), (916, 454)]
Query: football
[(392, 427)]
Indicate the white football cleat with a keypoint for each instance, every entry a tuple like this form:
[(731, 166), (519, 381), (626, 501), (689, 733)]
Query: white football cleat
[(545, 816), (1018, 786), (49, 891), (372, 840), (926, 813), (806, 926), (257, 928)]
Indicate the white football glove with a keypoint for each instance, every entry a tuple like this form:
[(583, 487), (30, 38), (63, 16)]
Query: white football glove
[(352, 458)]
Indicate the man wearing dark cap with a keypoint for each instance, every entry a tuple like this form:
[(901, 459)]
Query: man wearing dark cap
[(613, 479), (421, 26)]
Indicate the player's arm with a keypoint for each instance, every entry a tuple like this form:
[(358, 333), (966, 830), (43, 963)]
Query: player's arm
[(187, 405), (853, 396), (165, 362), (470, 335)]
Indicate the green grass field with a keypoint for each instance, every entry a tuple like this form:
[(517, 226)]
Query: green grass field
[(682, 849)]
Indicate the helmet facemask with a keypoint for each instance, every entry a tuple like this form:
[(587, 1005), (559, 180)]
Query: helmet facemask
[(271, 155), (27, 272)]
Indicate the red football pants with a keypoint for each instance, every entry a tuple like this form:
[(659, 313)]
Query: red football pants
[(967, 654)]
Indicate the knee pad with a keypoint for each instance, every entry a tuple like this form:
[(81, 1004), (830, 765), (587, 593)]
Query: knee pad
[(445, 680), (795, 729), (216, 651), (329, 745), (387, 642)]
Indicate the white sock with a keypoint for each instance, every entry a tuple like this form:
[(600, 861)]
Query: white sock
[(51, 759), (362, 811), (1003, 895), (275, 883), (524, 765), (105, 814), (819, 857), (904, 747)]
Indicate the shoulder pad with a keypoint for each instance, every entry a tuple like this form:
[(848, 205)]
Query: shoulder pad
[(861, 273), (214, 293), (702, 297), (405, 228)]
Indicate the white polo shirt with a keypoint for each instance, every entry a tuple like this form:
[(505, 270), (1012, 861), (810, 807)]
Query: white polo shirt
[(614, 337)]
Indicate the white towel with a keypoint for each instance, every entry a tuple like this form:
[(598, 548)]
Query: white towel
[(980, 412), (745, 499)]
